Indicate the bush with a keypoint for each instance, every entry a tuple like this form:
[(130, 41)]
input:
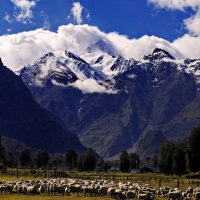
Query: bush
[(2, 167), (32, 171), (193, 175)]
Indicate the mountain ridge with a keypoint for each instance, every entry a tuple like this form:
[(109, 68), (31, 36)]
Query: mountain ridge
[(149, 95)]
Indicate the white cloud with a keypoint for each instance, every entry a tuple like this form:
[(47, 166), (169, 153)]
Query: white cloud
[(131, 76), (91, 86), (176, 4), (87, 86), (46, 24), (23, 11), (8, 18), (18, 50), (76, 12), (9, 30), (192, 23)]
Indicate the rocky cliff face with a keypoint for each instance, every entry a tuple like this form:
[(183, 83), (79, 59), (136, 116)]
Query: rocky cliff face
[(23, 119), (158, 92)]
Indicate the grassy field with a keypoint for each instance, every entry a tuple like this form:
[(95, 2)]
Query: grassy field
[(46, 197), (154, 179)]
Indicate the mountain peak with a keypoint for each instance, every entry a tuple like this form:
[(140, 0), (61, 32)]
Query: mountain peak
[(158, 54), (100, 46)]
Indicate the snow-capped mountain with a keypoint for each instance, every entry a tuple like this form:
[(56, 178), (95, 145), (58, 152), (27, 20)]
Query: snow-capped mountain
[(98, 62), (101, 46), (158, 92)]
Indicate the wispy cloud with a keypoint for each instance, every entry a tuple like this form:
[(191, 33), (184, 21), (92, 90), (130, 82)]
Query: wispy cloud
[(192, 23), (23, 10), (91, 86), (8, 18), (46, 24), (76, 12)]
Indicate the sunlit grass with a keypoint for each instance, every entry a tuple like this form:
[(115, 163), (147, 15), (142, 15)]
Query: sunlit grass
[(149, 178), (49, 197)]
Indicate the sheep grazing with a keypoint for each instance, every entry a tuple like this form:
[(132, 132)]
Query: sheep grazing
[(111, 192), (42, 189), (197, 195), (130, 194), (101, 188), (102, 191), (3, 189), (74, 189), (142, 196), (174, 195)]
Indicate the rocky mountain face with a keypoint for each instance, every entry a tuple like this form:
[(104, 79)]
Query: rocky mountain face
[(158, 92), (24, 120)]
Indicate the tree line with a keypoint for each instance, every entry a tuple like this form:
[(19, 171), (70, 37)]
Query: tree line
[(181, 157), (173, 158)]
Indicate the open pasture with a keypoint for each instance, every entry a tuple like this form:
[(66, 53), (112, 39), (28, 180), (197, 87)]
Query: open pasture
[(155, 180)]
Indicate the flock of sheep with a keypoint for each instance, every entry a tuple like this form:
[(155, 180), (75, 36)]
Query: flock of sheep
[(101, 188)]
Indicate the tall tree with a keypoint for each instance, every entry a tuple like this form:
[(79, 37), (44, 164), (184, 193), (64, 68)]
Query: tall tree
[(154, 161), (165, 157), (105, 166), (71, 159), (25, 157), (80, 162), (45, 157), (41, 158), (134, 161), (55, 161), (89, 160), (178, 157), (193, 150), (124, 162), (100, 162), (2, 151), (9, 158)]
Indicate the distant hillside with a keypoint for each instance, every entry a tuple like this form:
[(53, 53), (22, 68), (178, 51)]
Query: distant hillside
[(13, 145), (22, 118), (147, 146)]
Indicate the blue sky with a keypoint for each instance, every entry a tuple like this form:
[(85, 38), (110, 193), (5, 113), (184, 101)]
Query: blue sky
[(133, 18), (31, 28)]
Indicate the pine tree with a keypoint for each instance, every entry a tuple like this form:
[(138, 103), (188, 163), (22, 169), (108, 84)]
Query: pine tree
[(89, 160), (154, 161), (24, 157), (165, 157), (2, 151), (124, 163), (178, 157), (193, 150), (71, 159), (134, 161)]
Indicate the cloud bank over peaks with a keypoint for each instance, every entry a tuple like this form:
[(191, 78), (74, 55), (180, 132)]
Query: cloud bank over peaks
[(23, 12), (19, 50)]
